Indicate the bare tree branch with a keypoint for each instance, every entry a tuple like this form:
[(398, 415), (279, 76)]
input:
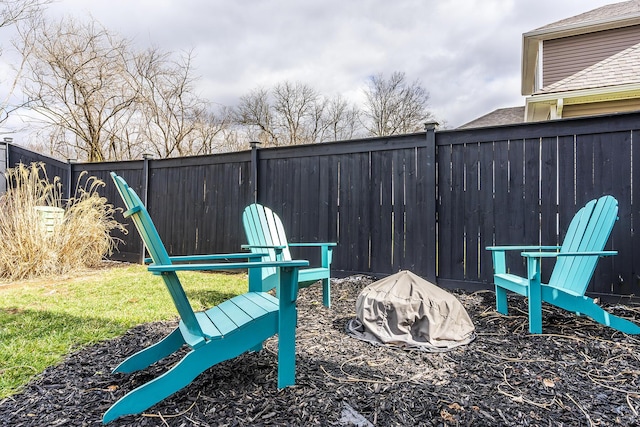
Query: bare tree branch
[(25, 15), (256, 114), (295, 113), (394, 106), (77, 79), (14, 11)]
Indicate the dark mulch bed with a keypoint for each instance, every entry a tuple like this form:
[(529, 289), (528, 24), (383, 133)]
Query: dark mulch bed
[(576, 373)]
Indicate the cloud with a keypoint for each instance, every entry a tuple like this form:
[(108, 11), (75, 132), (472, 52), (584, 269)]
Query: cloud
[(465, 52)]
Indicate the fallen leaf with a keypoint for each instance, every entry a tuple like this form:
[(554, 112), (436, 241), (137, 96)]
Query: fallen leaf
[(456, 407), (447, 416)]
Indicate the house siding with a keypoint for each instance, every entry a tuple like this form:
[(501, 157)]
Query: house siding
[(568, 55), (594, 108)]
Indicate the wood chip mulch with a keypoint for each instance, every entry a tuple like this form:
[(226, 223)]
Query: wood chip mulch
[(577, 373)]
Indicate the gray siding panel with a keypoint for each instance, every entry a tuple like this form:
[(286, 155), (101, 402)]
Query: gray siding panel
[(568, 55)]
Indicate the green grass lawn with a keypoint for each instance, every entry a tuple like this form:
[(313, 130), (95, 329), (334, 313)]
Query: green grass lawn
[(42, 321)]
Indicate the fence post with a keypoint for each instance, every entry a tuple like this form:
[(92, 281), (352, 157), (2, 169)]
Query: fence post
[(145, 177), (254, 169), (145, 194), (70, 163), (4, 164), (431, 201)]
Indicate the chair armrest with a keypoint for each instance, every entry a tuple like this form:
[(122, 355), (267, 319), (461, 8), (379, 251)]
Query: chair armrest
[(226, 266), (522, 248), (500, 260), (326, 249), (263, 246), (278, 249), (313, 244), (187, 258), (558, 254)]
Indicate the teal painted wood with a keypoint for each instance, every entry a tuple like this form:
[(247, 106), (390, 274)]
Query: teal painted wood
[(287, 320), (265, 233), (197, 361), (214, 257), (144, 358), (577, 258), (222, 332), (592, 230), (151, 238)]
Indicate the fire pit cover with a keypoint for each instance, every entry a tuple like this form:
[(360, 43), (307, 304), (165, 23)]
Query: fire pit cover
[(407, 311)]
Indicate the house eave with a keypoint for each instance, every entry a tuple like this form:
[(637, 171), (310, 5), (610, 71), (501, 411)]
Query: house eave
[(614, 92), (537, 106)]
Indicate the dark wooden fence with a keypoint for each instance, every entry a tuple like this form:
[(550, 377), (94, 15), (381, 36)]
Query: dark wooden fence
[(518, 184), (15, 154), (427, 202)]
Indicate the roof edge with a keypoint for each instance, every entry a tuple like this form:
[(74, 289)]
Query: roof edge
[(619, 89), (583, 28)]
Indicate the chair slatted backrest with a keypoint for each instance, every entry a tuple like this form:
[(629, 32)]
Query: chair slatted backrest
[(264, 228), (588, 232), (138, 213)]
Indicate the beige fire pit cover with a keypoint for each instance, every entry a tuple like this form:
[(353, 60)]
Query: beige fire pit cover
[(408, 311)]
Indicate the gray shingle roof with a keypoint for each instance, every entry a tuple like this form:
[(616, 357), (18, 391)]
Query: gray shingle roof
[(501, 116), (604, 13)]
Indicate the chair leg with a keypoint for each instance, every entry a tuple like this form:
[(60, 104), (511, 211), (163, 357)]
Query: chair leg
[(501, 301), (191, 365), (287, 349), (326, 292), (147, 395), (535, 309), (287, 320), (588, 307), (158, 351), (603, 317)]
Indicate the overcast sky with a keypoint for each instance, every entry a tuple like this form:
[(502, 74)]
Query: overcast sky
[(466, 53)]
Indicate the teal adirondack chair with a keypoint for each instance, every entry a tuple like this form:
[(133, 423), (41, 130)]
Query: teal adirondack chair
[(217, 334), (265, 233), (576, 261)]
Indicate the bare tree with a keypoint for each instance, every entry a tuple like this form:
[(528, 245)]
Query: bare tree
[(109, 102), (212, 133), (255, 113), (233, 139), (298, 110), (394, 106), (24, 15), (78, 79), (14, 11), (177, 121), (295, 113), (342, 120)]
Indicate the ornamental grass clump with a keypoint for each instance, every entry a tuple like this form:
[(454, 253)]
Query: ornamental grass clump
[(76, 237)]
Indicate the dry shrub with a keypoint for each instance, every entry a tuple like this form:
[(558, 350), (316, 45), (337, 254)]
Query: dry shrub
[(82, 238)]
